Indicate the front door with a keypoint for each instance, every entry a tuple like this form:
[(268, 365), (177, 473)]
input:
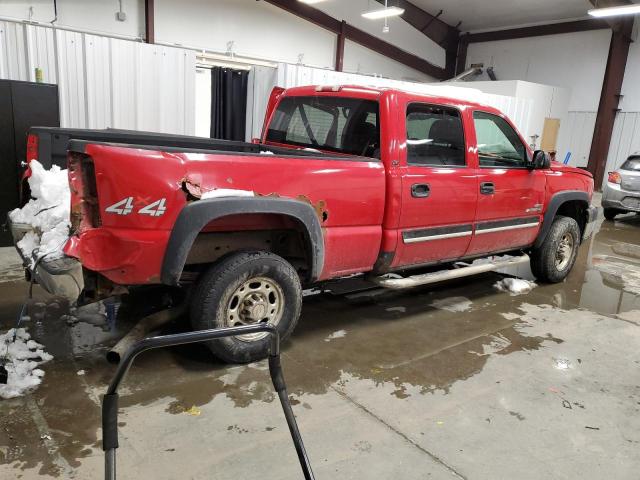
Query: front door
[(439, 187), (511, 195)]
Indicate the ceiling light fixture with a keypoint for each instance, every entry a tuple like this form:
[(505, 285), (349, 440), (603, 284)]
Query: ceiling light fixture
[(615, 11), (311, 2), (383, 13)]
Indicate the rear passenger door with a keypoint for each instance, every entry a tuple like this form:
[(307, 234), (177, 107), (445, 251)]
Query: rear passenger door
[(511, 195), (439, 187)]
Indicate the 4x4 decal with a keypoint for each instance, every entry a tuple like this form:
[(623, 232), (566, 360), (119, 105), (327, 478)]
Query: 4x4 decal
[(125, 207)]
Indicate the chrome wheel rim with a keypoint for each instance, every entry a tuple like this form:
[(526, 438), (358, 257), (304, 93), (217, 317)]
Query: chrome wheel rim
[(564, 251), (257, 300)]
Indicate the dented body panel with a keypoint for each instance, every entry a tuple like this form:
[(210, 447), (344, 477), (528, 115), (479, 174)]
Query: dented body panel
[(347, 196), (145, 214)]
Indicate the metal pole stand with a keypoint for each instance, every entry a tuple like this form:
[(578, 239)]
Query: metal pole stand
[(110, 400)]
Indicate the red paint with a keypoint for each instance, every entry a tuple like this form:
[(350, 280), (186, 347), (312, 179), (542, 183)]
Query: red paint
[(369, 204)]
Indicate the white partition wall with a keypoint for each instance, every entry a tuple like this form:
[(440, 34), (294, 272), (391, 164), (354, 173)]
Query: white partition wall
[(105, 81)]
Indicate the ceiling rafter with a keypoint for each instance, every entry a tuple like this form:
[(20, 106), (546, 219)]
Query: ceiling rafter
[(434, 28), (431, 25), (363, 38)]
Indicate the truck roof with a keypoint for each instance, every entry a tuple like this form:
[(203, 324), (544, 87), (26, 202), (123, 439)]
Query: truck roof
[(375, 92)]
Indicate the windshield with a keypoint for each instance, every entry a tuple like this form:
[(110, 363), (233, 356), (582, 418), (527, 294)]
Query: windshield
[(632, 163), (343, 125)]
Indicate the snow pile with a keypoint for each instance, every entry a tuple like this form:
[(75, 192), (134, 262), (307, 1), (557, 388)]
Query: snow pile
[(21, 358), (515, 286), (336, 334), (47, 212), (226, 192)]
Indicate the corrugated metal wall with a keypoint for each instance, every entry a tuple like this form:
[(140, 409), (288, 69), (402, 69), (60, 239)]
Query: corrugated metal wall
[(575, 137), (625, 139), (104, 81)]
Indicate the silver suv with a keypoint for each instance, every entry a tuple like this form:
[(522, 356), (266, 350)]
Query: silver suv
[(621, 193)]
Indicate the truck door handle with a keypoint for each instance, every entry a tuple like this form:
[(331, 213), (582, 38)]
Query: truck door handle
[(487, 188), (420, 190)]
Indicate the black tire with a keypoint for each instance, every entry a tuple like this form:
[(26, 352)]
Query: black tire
[(610, 213), (545, 263), (217, 289)]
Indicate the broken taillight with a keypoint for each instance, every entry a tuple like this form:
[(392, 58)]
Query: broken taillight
[(85, 212), (614, 177)]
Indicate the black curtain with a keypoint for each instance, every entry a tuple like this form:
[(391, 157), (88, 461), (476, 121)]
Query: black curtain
[(228, 103)]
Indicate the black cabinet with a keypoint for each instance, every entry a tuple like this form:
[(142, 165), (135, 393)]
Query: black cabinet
[(22, 105)]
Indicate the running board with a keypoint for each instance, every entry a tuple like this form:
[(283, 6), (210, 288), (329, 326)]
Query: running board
[(443, 275)]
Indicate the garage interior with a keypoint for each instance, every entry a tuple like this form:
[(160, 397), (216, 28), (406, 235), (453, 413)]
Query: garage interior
[(457, 379)]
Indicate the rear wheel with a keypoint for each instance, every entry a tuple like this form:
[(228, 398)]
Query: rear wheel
[(553, 260), (610, 213), (242, 289)]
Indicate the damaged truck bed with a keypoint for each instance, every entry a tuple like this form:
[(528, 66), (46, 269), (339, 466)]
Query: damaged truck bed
[(344, 180)]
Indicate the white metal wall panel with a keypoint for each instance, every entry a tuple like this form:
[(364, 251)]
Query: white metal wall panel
[(260, 84), (147, 89), (625, 139), (123, 62), (71, 74), (576, 136), (166, 89), (13, 63), (189, 85), (41, 53), (171, 80), (98, 75), (104, 81)]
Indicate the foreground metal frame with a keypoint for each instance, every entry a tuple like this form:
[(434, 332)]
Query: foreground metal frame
[(110, 400)]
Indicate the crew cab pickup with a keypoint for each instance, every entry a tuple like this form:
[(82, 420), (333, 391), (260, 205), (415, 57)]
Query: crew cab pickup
[(405, 188)]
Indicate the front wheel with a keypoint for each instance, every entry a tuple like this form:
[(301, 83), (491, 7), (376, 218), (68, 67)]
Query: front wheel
[(553, 260), (242, 289)]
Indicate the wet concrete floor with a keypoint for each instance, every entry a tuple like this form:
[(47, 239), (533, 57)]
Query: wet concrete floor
[(384, 385)]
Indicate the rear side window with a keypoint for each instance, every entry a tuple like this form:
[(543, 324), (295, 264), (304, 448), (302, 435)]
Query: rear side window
[(343, 125), (434, 136), (498, 143), (632, 163)]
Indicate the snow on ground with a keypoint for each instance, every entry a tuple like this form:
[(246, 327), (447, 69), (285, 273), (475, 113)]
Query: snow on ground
[(21, 359), (515, 286), (336, 334), (47, 212), (453, 304), (226, 192)]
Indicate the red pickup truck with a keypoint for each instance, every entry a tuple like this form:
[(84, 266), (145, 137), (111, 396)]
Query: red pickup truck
[(344, 180)]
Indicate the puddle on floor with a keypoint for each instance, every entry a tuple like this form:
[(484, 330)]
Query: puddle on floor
[(399, 340)]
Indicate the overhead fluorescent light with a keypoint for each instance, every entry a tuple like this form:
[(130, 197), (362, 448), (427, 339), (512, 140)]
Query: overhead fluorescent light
[(383, 13), (310, 2), (615, 11)]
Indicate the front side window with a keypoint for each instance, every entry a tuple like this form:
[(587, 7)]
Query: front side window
[(343, 125), (498, 143), (434, 136)]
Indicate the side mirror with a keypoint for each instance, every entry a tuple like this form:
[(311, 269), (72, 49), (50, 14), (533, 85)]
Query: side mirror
[(541, 160)]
